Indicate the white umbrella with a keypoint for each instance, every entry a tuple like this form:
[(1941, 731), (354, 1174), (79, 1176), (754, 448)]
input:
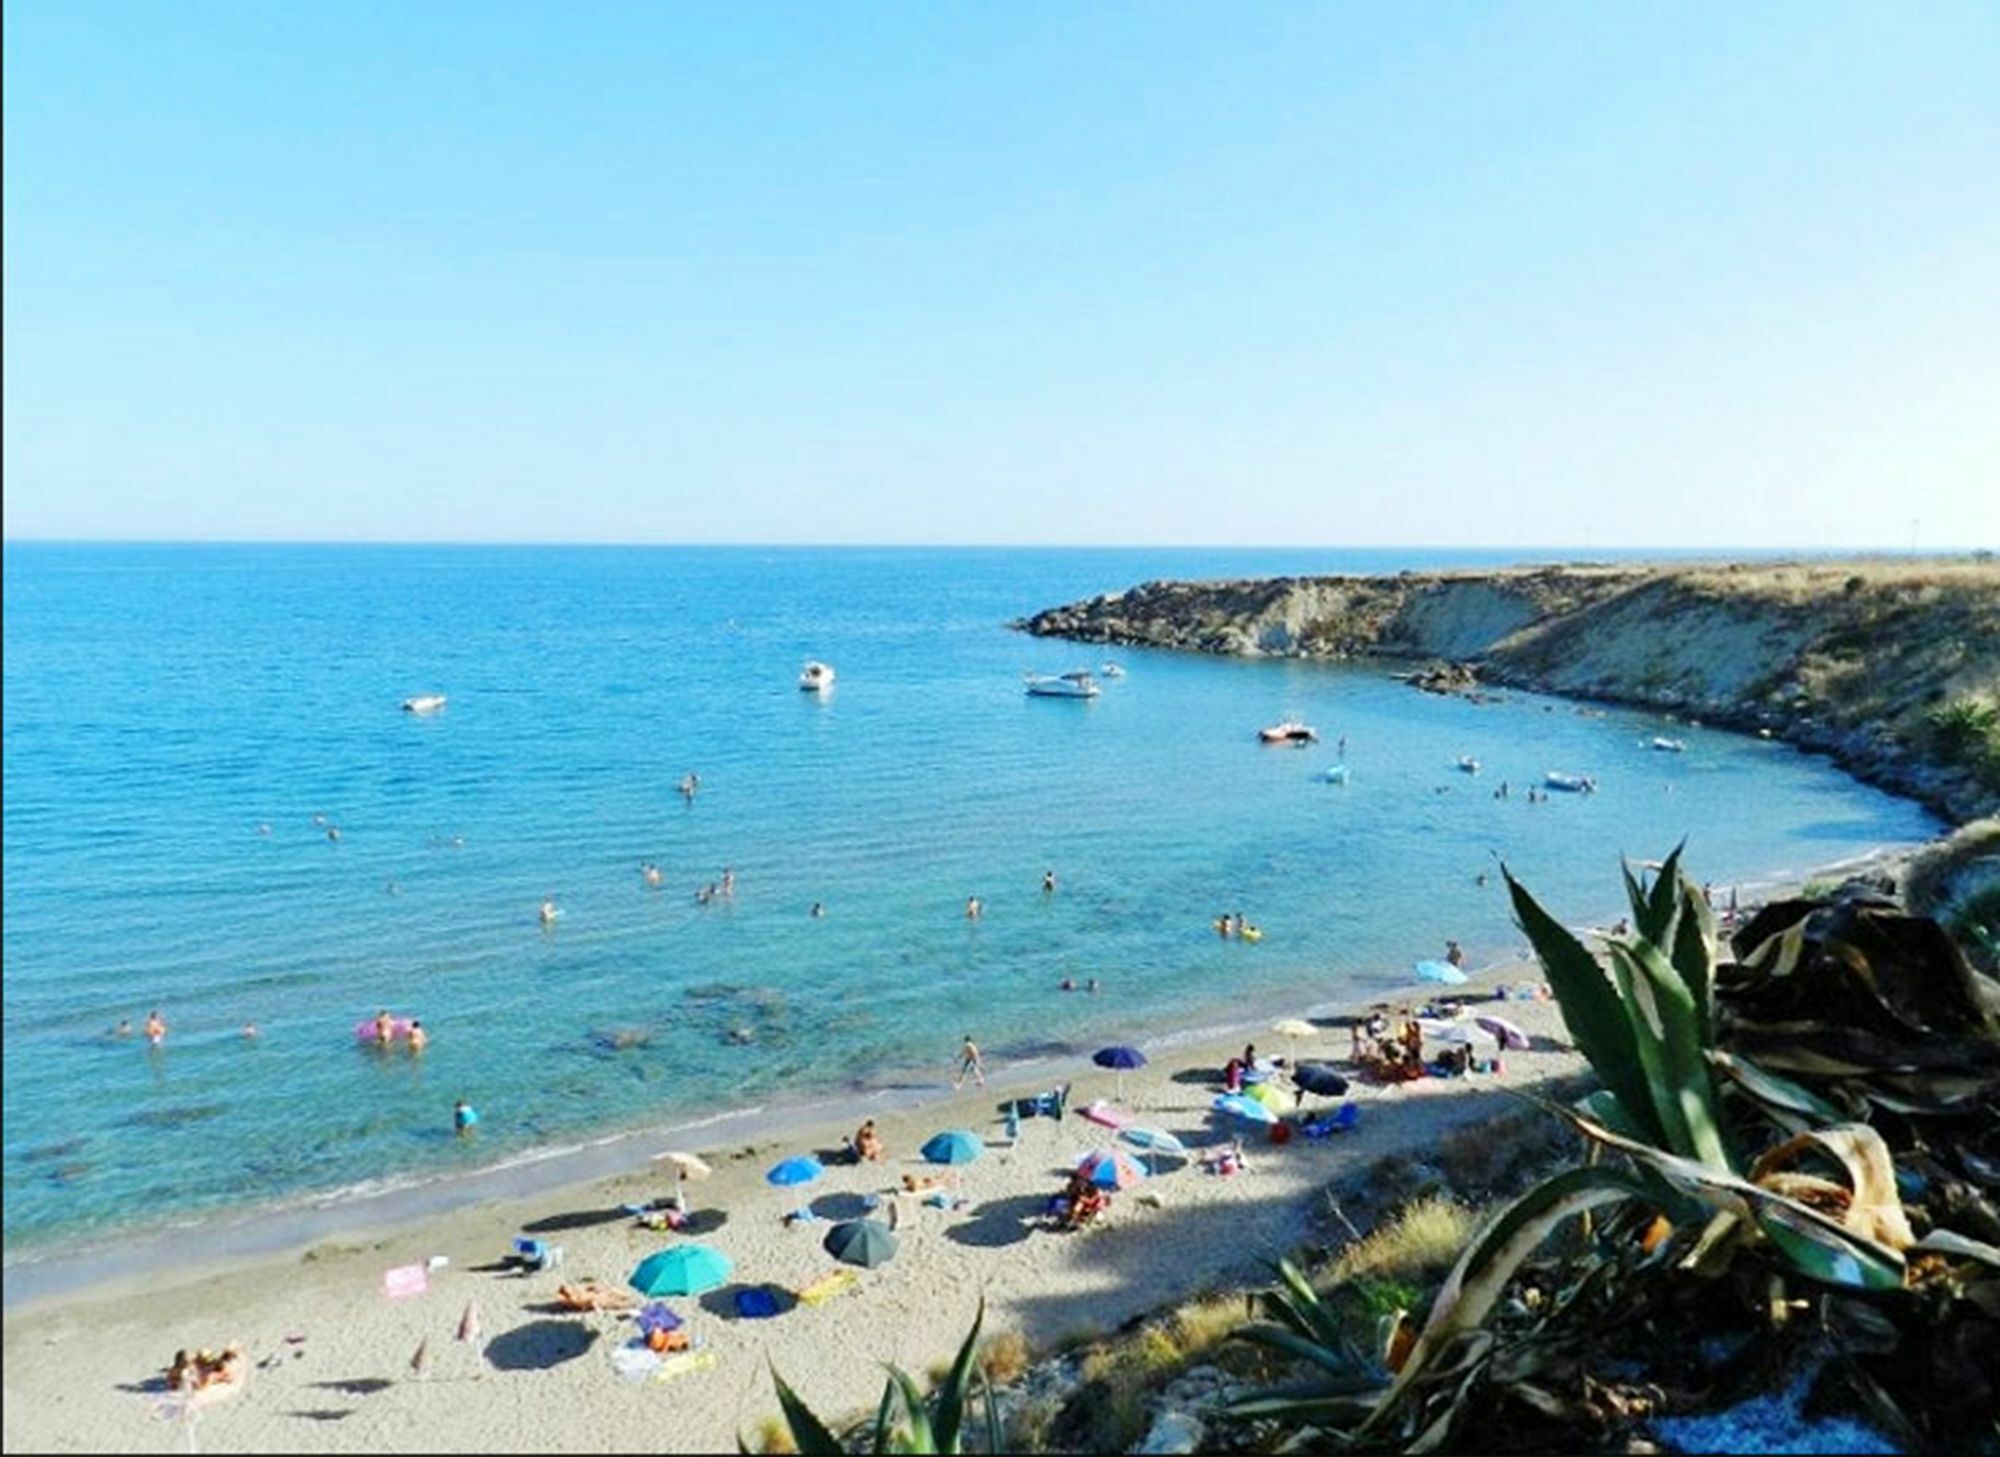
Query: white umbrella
[(1293, 1028), (685, 1166)]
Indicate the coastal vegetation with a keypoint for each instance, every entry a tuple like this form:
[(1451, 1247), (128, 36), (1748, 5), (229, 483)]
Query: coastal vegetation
[(1892, 666), (1786, 1178)]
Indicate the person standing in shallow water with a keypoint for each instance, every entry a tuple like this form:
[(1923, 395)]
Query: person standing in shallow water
[(1048, 882), (974, 907), (156, 1028)]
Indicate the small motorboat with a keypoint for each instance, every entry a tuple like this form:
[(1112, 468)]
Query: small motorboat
[(1111, 670), (1336, 775), (816, 678), (424, 703), (1064, 685), (1670, 746), (1570, 783), (1292, 732), (1467, 764)]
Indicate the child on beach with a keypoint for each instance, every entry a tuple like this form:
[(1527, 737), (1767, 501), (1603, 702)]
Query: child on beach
[(463, 1118)]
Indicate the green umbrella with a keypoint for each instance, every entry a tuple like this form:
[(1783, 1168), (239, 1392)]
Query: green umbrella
[(682, 1270), (862, 1242)]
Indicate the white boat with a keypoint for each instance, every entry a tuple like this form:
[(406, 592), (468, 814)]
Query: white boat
[(424, 703), (1336, 775), (817, 678), (1111, 670), (1291, 731), (1570, 783), (1670, 746), (1065, 685), (1467, 764)]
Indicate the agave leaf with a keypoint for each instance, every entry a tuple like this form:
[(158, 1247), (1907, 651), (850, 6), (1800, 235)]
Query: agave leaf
[(1721, 1189), (1299, 1305), (951, 1395), (1949, 1242), (1670, 1051), (885, 1417), (1693, 954), (1876, 1209), (1302, 1399), (1771, 1090), (1330, 1358), (992, 1413), (1813, 1251), (1663, 901), (1775, 939), (808, 1431), (1596, 1019), (922, 1439), (1495, 1253)]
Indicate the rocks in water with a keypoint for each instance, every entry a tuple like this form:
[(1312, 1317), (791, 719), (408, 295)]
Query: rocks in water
[(1444, 677)]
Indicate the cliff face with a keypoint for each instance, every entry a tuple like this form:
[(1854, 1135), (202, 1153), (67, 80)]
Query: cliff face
[(1893, 667)]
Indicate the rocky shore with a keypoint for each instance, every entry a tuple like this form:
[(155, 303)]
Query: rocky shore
[(1889, 665)]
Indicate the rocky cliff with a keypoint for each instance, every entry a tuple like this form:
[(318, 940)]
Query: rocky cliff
[(1891, 666)]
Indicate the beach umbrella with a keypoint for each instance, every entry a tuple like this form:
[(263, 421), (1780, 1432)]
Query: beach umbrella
[(1271, 1096), (1511, 1037), (1121, 1059), (1248, 1109), (1110, 1168), (1153, 1140), (468, 1324), (1293, 1028), (685, 1166), (655, 1315), (421, 1361), (682, 1270), (1440, 971), (953, 1147), (793, 1172), (863, 1242), (1318, 1077)]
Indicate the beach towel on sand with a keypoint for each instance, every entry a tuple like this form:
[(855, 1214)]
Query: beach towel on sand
[(1105, 1115), (835, 1282)]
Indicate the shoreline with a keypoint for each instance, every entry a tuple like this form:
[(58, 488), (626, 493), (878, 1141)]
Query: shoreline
[(223, 1237)]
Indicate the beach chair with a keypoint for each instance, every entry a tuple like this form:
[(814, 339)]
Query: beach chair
[(827, 1286), (536, 1255)]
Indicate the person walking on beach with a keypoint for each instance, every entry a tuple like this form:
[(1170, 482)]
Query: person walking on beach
[(970, 1064)]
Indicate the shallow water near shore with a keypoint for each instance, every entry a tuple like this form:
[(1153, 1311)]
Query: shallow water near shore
[(162, 705)]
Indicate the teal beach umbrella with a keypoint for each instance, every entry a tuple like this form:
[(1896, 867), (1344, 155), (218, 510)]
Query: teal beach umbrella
[(682, 1270), (953, 1147)]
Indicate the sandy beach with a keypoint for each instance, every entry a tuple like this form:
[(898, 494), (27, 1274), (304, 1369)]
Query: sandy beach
[(331, 1353)]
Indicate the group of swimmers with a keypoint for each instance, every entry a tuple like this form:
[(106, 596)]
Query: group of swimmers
[(1231, 926), (385, 1032)]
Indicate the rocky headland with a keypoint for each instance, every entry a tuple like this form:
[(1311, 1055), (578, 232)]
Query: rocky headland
[(1889, 665)]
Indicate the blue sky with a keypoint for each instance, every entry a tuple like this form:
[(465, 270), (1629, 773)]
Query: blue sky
[(1567, 274)]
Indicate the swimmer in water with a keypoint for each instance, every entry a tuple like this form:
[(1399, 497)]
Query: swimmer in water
[(419, 1039), (1091, 986), (263, 829), (650, 873), (705, 894), (690, 782), (974, 907), (123, 1029), (333, 832), (818, 910), (385, 1028), (728, 882), (156, 1027), (1048, 882), (463, 1118), (249, 1031), (1069, 984), (319, 819), (549, 912)]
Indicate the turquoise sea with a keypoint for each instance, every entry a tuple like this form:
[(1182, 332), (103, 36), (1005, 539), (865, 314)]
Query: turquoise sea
[(177, 717)]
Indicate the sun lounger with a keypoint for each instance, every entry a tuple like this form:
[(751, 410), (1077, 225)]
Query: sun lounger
[(834, 1282), (684, 1363)]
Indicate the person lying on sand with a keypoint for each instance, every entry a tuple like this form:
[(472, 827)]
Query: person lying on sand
[(919, 1183), (589, 1295)]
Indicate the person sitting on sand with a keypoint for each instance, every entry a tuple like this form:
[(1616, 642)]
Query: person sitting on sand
[(181, 1374), (1232, 1075), (419, 1039), (868, 1143), (1087, 1204)]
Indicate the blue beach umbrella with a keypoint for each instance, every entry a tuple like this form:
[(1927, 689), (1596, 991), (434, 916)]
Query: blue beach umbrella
[(1111, 1168), (953, 1147), (1235, 1105), (863, 1242), (792, 1172), (1440, 971), (1154, 1141), (682, 1270), (1121, 1059)]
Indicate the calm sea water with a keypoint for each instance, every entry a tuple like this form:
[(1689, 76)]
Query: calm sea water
[(163, 704)]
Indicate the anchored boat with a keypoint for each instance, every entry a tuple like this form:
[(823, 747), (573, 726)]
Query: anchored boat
[(1064, 685), (424, 703)]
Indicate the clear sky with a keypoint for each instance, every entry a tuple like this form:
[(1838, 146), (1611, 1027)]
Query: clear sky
[(1553, 273)]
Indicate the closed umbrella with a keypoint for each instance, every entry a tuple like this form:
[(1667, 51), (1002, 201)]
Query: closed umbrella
[(1440, 971), (1122, 1059), (792, 1172), (1110, 1168), (863, 1242), (955, 1146), (1317, 1077), (682, 1270), (1511, 1037), (1271, 1096), (1248, 1109)]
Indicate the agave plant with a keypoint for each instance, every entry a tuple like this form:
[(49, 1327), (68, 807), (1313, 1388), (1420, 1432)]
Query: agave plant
[(933, 1425), (1734, 1097)]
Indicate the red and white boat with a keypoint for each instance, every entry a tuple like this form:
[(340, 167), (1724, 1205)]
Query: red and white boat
[(1289, 732)]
